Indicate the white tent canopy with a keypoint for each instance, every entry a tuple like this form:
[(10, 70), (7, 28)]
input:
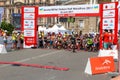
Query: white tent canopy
[(56, 28), (41, 28)]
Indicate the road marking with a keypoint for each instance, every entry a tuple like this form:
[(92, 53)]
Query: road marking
[(32, 58)]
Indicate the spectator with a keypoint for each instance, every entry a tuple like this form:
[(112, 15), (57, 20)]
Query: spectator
[(5, 38), (14, 40), (111, 37), (21, 40), (105, 37)]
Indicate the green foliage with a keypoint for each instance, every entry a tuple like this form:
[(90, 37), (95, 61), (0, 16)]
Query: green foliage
[(71, 19), (7, 26)]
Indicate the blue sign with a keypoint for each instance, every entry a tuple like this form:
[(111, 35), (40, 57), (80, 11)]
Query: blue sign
[(16, 15), (1, 10), (1, 13)]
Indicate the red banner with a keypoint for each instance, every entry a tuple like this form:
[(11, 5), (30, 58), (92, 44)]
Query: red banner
[(29, 25)]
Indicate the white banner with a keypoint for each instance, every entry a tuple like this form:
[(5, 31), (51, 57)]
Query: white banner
[(29, 9), (29, 33), (109, 13), (29, 15), (29, 24), (113, 53), (69, 9), (109, 23), (108, 6), (109, 16)]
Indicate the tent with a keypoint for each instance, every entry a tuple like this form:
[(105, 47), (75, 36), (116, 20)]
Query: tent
[(57, 28), (41, 28)]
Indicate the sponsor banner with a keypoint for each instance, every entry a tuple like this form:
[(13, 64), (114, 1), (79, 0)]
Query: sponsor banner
[(99, 65), (109, 20), (113, 53), (29, 41), (29, 9), (109, 23), (109, 13), (29, 33), (66, 15), (30, 24), (29, 15), (68, 9), (108, 6)]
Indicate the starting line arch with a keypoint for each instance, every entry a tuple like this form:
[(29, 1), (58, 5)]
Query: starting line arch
[(107, 12)]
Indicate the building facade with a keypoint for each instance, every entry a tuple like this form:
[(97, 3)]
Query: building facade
[(12, 9)]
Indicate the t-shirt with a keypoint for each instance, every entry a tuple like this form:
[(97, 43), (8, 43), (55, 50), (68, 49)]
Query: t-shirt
[(111, 37), (89, 41), (106, 37)]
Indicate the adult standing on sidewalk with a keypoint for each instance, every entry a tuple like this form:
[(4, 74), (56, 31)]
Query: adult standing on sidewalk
[(105, 39), (5, 38), (111, 39), (21, 40), (14, 40)]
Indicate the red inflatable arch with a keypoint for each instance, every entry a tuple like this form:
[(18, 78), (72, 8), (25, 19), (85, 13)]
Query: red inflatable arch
[(108, 14)]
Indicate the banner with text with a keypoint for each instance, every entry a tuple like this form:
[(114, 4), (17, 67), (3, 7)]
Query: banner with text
[(99, 65), (69, 10), (29, 26), (109, 20)]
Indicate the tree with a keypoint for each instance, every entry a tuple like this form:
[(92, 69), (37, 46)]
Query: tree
[(7, 26)]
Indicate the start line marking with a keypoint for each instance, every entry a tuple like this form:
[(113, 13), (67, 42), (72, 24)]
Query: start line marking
[(32, 58)]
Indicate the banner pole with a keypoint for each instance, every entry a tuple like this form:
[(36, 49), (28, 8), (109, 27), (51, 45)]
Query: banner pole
[(118, 37)]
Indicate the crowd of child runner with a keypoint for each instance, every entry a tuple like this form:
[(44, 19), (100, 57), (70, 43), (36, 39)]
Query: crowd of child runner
[(74, 41), (78, 41), (87, 42)]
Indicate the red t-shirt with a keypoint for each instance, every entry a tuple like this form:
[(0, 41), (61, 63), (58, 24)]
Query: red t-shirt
[(106, 37), (111, 37)]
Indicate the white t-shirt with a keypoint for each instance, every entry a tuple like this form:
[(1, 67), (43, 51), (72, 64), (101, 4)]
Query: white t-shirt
[(4, 36)]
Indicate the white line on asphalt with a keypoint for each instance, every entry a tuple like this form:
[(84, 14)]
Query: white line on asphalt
[(32, 58)]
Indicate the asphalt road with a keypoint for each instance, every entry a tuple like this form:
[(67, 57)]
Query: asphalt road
[(76, 62)]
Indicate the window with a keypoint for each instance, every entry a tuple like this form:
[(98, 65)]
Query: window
[(11, 1), (25, 1), (81, 23), (28, 1), (18, 10), (10, 11)]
